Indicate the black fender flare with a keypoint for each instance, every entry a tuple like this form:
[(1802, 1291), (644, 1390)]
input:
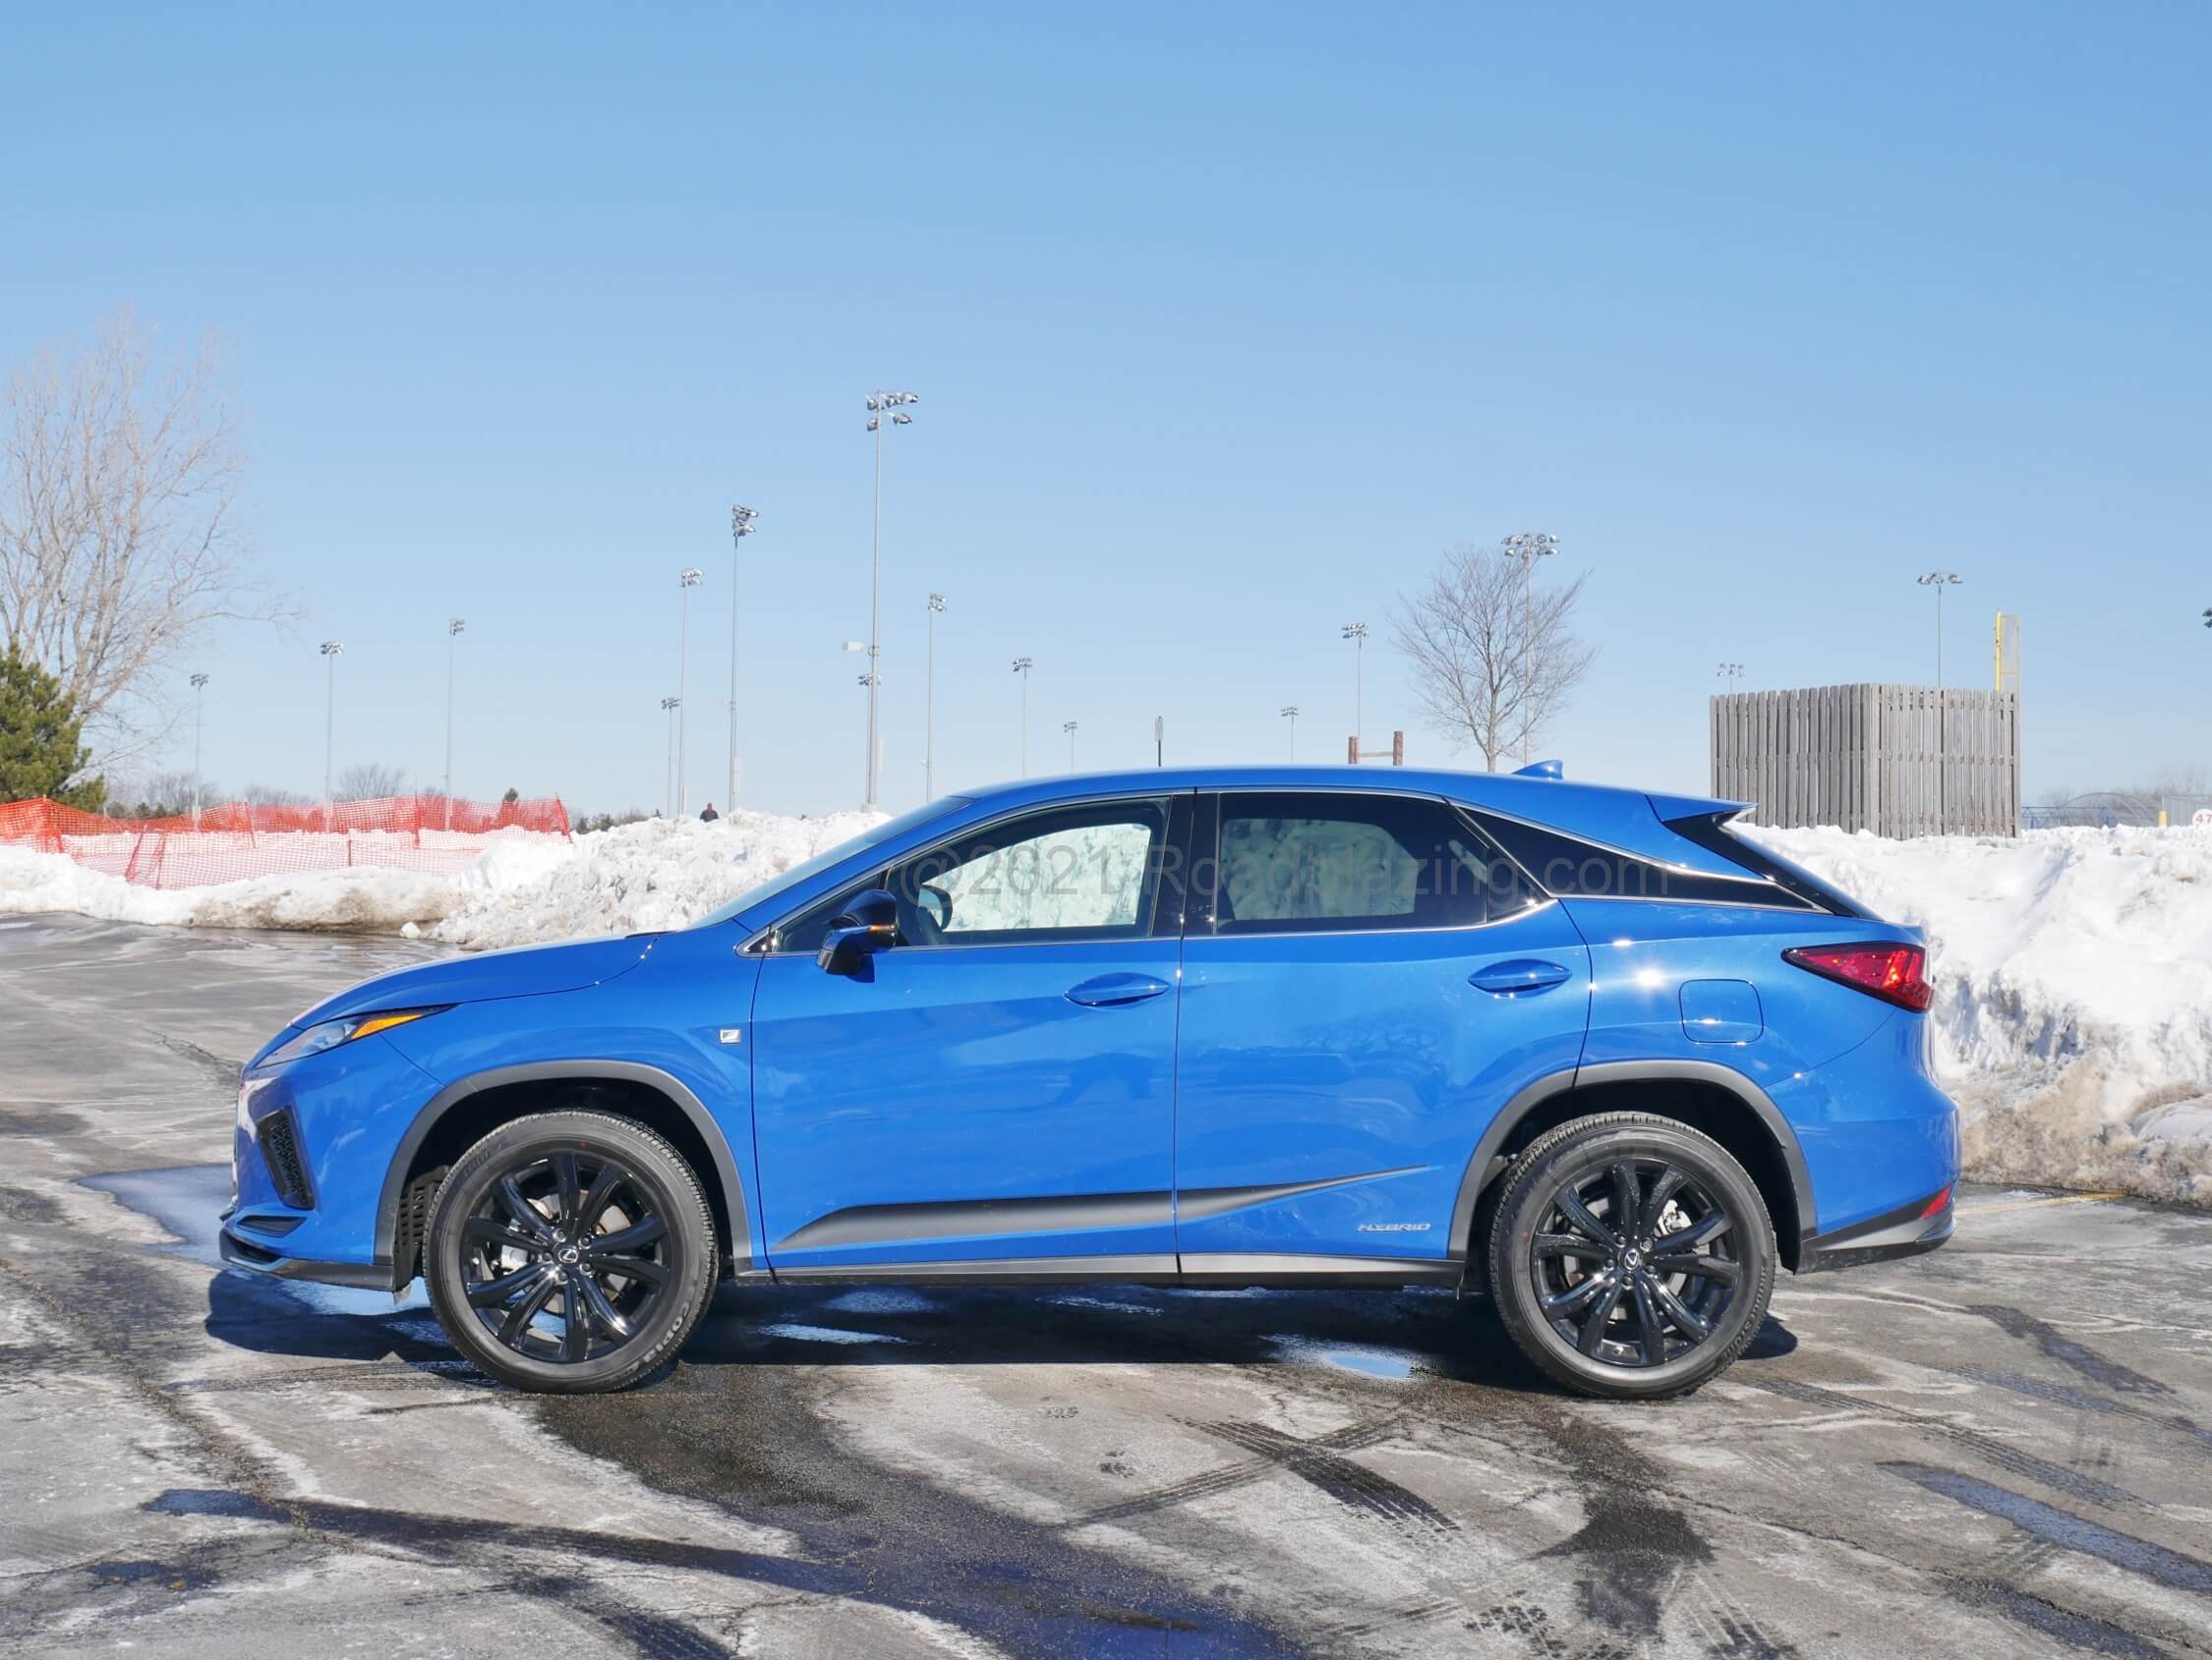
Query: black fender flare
[(1479, 1170), (628, 1071)]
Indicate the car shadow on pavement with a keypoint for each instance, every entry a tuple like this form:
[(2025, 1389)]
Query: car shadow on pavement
[(1389, 1336)]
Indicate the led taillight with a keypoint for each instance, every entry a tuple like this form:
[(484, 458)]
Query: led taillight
[(1892, 972)]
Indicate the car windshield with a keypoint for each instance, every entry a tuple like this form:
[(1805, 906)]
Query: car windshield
[(776, 886)]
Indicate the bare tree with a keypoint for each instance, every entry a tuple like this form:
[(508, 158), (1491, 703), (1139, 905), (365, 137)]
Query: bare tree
[(273, 795), (1493, 663), (369, 781), (119, 532)]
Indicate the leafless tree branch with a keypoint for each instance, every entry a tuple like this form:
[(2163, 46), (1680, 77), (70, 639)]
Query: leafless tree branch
[(120, 539), (1493, 663)]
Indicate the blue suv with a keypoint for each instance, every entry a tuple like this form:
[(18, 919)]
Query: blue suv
[(1582, 1049)]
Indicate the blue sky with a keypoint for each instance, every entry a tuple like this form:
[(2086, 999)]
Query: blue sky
[(1225, 320)]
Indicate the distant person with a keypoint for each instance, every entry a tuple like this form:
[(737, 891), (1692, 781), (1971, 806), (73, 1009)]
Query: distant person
[(708, 815)]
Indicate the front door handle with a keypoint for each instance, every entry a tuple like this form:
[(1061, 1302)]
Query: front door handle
[(1518, 974), (1112, 991)]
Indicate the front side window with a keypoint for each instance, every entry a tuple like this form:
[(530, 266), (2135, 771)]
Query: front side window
[(1295, 863), (1088, 872)]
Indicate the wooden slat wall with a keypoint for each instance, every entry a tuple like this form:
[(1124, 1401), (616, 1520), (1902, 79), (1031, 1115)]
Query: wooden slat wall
[(1897, 760)]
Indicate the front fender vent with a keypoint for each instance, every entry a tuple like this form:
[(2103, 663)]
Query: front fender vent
[(279, 1138)]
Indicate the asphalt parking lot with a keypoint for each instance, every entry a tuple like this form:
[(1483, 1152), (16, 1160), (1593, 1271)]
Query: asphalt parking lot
[(2004, 1449)]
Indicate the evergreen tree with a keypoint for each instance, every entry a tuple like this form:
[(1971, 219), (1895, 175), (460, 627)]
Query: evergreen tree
[(38, 731)]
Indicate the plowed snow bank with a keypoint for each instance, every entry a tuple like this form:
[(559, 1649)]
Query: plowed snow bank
[(2073, 993)]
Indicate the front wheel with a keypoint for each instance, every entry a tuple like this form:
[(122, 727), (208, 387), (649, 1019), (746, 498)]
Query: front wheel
[(570, 1252), (1631, 1257)]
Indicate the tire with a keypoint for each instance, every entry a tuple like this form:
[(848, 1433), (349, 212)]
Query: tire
[(1603, 1312), (533, 1289)]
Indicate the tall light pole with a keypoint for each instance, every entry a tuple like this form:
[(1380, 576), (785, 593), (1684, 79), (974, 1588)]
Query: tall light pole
[(668, 706), (1528, 546), (687, 580), (332, 650), (929, 704), (1290, 714), (1022, 666), (1731, 672), (1357, 633), (453, 629), (1939, 580), (1069, 727), (199, 702), (880, 405), (740, 527)]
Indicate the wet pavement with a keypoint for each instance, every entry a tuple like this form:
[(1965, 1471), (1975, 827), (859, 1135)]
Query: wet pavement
[(2004, 1449)]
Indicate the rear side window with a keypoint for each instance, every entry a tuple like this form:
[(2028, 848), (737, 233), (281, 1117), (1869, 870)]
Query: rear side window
[(1571, 869), (1307, 863)]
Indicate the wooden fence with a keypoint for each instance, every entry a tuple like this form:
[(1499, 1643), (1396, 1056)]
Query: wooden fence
[(1894, 760)]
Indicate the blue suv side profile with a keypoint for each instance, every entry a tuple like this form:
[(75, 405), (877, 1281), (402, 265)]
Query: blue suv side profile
[(1583, 1048)]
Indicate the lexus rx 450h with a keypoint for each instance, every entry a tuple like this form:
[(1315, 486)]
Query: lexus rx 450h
[(1585, 1049)]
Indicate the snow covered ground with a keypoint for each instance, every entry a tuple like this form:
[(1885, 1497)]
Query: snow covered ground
[(2073, 967)]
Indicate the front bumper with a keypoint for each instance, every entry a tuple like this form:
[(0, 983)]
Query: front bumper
[(360, 1276), (1908, 1231)]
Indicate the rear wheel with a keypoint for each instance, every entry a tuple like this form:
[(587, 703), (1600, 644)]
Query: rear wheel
[(1631, 1257), (570, 1252)]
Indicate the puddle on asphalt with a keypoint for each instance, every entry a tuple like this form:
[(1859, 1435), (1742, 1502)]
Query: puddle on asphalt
[(1368, 1359), (820, 1333), (188, 1200)]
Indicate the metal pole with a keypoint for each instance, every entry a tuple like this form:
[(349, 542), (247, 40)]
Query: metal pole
[(199, 707), (929, 705), (686, 581), (1069, 727), (1022, 666), (1939, 637), (875, 617), (331, 651), (740, 527)]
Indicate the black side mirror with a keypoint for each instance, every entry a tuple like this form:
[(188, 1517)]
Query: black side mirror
[(870, 925)]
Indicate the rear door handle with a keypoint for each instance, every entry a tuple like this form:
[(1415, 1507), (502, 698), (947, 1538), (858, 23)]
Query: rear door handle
[(1519, 974), (1112, 991)]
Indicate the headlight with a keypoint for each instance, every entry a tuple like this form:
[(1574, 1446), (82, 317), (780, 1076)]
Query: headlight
[(330, 1034)]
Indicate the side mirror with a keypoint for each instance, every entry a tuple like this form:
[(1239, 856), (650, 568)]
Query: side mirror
[(871, 924)]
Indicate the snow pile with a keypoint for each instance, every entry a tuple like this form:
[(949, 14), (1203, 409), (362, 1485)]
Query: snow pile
[(523, 890), (2072, 1021), (662, 873)]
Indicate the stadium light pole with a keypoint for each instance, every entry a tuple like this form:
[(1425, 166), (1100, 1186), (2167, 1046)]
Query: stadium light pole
[(929, 702), (1022, 666), (453, 630), (1357, 633), (199, 704), (1528, 546), (1069, 727), (1290, 714), (740, 527), (1730, 672), (880, 405), (1939, 580), (687, 580), (332, 650), (668, 707)]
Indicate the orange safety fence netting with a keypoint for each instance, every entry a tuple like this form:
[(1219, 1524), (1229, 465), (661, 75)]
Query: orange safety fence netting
[(428, 833)]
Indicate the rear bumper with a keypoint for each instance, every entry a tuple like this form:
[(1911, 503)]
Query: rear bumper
[(258, 1259), (1908, 1231)]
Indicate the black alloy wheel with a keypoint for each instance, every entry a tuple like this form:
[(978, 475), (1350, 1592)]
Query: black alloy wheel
[(565, 1256), (1631, 1257), (570, 1251)]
